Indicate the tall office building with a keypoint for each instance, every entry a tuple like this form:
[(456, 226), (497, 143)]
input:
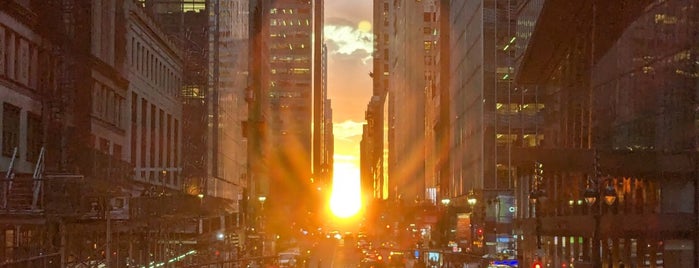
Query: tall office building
[(620, 91), (486, 116), (282, 107), (373, 166), (406, 93)]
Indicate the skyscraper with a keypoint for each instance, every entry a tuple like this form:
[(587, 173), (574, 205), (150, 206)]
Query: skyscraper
[(282, 101)]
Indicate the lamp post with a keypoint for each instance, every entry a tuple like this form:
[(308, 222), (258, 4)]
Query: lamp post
[(262, 200), (446, 226), (472, 200), (536, 197), (591, 196), (593, 192)]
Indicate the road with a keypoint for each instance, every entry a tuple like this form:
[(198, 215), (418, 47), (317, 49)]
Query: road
[(334, 253)]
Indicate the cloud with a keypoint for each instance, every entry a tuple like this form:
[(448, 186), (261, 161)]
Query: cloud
[(348, 40), (348, 130)]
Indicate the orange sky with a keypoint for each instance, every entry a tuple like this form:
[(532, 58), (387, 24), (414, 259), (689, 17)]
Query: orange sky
[(349, 64)]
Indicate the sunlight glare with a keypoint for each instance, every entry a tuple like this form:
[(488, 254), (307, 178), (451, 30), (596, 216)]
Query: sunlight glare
[(364, 26), (345, 200)]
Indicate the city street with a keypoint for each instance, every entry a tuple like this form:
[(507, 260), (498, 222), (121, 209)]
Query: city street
[(333, 253)]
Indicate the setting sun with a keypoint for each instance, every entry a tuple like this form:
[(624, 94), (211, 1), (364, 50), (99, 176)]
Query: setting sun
[(345, 200)]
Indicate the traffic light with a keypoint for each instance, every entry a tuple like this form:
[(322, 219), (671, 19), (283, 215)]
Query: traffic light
[(536, 264)]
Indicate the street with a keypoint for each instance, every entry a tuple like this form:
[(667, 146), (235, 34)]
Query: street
[(334, 253)]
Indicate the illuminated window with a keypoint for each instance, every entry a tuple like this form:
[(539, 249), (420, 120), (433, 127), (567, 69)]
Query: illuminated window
[(192, 92), (508, 109), (532, 140), (531, 109), (197, 6), (505, 138), (428, 45), (300, 71)]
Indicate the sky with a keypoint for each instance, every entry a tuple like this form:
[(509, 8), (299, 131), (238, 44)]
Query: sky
[(349, 40)]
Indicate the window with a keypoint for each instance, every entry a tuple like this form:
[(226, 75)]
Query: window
[(104, 145), (23, 61), (144, 131), (134, 126), (34, 137), (10, 128), (2, 51), (153, 115)]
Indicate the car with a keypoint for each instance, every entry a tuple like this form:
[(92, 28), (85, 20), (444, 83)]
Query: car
[(289, 258), (370, 263)]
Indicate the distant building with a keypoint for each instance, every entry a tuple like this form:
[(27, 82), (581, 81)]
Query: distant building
[(373, 168)]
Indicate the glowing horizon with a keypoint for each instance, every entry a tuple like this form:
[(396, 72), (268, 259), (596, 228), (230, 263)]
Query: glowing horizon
[(345, 198)]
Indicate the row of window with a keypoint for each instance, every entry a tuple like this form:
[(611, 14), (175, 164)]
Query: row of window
[(11, 132), (107, 105), (289, 11), (285, 94), (288, 34), (274, 84), (526, 140), (289, 22), (151, 66), (158, 138), (517, 108), (18, 58), (299, 71), (288, 46)]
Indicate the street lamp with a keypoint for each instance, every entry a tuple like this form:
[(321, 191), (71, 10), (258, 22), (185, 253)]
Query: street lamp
[(536, 197), (593, 192), (471, 199), (446, 201), (446, 226), (591, 195), (262, 200)]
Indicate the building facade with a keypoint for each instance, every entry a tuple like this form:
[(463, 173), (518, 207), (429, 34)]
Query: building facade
[(486, 121), (104, 130), (619, 126), (286, 100), (406, 91)]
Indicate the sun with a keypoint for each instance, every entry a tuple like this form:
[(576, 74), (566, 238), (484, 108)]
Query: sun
[(345, 200), (364, 26)]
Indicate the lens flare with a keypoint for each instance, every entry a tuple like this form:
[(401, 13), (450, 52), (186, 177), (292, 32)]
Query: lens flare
[(345, 200)]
